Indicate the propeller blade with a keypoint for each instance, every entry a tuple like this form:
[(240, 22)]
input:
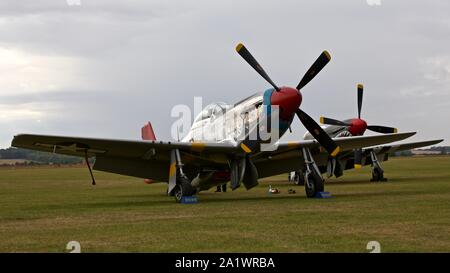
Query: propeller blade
[(242, 50), (320, 63), (331, 121), (382, 129), (318, 133), (358, 159), (360, 98)]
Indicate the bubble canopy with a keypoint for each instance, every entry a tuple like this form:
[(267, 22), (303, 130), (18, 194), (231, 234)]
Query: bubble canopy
[(216, 109)]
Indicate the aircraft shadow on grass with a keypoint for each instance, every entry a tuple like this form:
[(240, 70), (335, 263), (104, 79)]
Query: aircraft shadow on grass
[(131, 201)]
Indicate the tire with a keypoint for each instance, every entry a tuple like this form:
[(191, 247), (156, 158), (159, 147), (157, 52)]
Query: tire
[(183, 188), (314, 185), (178, 193), (377, 175), (299, 179), (320, 184)]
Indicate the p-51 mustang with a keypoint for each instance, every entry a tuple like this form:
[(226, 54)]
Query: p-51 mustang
[(236, 154), (359, 157)]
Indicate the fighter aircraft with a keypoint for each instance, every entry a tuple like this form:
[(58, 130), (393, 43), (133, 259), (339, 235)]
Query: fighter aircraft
[(360, 157), (216, 149), (370, 156)]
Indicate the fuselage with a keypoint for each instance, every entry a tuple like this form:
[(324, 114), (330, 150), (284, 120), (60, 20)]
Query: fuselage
[(247, 122), (223, 123)]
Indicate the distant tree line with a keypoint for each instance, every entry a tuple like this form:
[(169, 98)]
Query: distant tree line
[(51, 158), (39, 157), (444, 150), (402, 153)]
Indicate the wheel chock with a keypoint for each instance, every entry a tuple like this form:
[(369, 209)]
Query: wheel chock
[(323, 194), (189, 200)]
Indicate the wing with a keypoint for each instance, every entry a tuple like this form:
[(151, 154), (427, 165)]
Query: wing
[(405, 146), (346, 143), (139, 158), (151, 159), (383, 152), (288, 156)]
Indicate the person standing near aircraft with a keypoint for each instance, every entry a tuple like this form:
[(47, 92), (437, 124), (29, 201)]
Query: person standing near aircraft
[(222, 188)]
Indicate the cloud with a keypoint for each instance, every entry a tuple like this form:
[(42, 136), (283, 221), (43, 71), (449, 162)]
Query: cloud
[(25, 72), (104, 68)]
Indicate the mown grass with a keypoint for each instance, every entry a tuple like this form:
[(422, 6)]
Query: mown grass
[(41, 209)]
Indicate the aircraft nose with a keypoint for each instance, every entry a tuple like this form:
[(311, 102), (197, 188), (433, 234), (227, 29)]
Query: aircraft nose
[(358, 127), (288, 100)]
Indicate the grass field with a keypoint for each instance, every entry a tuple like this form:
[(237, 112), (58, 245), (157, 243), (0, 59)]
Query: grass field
[(41, 209)]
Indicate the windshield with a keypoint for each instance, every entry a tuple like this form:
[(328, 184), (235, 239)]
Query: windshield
[(217, 109)]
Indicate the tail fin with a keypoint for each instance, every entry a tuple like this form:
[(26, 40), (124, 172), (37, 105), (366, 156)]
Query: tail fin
[(147, 132)]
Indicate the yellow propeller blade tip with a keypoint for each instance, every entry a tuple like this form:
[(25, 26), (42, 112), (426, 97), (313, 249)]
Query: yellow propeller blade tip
[(245, 148), (395, 130), (322, 120), (336, 151), (360, 86), (239, 46), (327, 54), (358, 166)]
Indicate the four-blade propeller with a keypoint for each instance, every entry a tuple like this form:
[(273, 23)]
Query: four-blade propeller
[(358, 126), (319, 134)]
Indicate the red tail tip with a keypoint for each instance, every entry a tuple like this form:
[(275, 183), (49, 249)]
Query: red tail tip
[(147, 132)]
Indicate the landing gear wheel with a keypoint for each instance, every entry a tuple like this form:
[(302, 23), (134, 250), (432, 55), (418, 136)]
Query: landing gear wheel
[(313, 184), (378, 175), (178, 193), (183, 188), (299, 178)]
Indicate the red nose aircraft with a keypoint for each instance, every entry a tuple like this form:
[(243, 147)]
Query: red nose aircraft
[(357, 126), (359, 157), (217, 150)]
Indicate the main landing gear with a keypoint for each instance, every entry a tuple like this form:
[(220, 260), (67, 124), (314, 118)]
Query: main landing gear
[(179, 183), (313, 180), (377, 170), (183, 188)]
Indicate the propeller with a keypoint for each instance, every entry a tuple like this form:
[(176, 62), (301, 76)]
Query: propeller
[(320, 63), (382, 129), (360, 89), (248, 57), (358, 126), (319, 134), (331, 121)]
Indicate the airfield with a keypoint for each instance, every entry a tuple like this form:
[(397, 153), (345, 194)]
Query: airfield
[(43, 208)]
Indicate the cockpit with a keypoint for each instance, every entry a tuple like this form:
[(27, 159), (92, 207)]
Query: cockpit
[(214, 109)]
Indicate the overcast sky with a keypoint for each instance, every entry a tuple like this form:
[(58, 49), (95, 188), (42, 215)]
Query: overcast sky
[(104, 68)]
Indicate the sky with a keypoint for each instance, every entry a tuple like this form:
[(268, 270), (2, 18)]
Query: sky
[(105, 67)]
